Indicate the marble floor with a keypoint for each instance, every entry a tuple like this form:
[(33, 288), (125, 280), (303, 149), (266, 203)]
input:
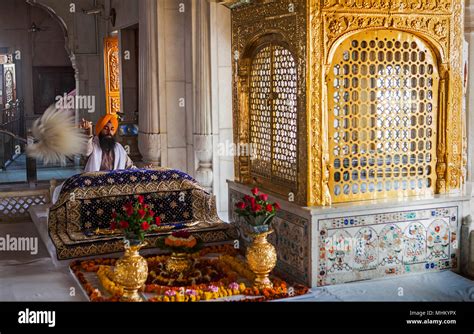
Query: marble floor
[(34, 277), (25, 276)]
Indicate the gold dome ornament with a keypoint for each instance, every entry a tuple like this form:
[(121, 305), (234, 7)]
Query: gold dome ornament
[(131, 271), (261, 258)]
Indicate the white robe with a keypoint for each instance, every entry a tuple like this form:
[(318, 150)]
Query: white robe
[(94, 162), (95, 159)]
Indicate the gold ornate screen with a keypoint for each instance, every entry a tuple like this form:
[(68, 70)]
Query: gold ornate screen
[(394, 127), (382, 108), (273, 115)]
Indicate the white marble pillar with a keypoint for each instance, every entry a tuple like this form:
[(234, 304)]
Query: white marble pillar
[(202, 94), (149, 139)]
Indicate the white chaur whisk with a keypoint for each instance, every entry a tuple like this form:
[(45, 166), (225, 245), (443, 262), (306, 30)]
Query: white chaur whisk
[(56, 137)]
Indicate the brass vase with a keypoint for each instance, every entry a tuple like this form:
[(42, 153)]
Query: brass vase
[(261, 258), (131, 272), (178, 263)]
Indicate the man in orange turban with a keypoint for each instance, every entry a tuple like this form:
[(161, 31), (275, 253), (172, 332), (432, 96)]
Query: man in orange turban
[(103, 152)]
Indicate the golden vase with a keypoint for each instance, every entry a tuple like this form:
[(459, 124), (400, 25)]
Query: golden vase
[(261, 258), (131, 272), (178, 263)]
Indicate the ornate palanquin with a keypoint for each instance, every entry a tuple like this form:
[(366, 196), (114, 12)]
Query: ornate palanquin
[(344, 100), (79, 223)]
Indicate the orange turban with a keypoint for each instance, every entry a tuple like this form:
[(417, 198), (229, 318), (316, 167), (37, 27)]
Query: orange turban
[(112, 118)]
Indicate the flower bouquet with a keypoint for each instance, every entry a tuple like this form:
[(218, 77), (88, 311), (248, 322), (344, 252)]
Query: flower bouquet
[(257, 211), (137, 219), (179, 242), (131, 270)]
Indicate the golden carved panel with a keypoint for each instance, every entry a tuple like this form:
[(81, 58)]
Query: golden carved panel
[(314, 30), (431, 6), (112, 74)]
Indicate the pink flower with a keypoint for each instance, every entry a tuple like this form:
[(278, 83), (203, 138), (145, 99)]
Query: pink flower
[(264, 197), (145, 226), (191, 292), (213, 288), (234, 286), (170, 293), (255, 191)]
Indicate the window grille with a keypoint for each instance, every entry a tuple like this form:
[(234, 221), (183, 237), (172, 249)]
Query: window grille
[(382, 105), (273, 115)]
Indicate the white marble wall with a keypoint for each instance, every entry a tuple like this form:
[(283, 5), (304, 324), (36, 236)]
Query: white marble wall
[(175, 124), (221, 102)]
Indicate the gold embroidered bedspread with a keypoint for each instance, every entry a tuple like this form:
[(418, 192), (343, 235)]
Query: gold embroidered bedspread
[(79, 223)]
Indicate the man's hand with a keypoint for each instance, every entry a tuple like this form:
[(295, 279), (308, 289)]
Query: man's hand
[(84, 124)]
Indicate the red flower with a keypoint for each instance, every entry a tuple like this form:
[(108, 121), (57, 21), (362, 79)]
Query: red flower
[(277, 206), (124, 224), (145, 226), (257, 207), (113, 226), (264, 197), (114, 215), (151, 213), (241, 205), (255, 191), (141, 199), (269, 207), (141, 213), (129, 211), (181, 234), (157, 220)]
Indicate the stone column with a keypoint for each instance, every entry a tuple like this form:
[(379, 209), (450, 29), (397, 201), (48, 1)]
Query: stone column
[(202, 94), (77, 116), (149, 139)]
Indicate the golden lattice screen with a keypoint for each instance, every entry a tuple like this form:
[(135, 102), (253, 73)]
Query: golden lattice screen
[(273, 115), (382, 105)]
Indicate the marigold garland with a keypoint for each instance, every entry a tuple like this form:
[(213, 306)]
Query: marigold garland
[(231, 267)]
